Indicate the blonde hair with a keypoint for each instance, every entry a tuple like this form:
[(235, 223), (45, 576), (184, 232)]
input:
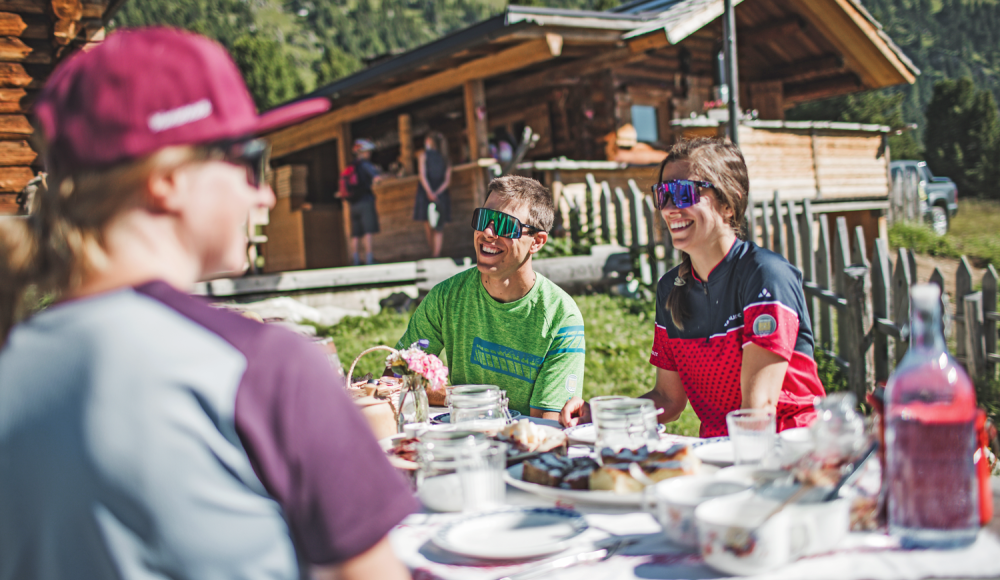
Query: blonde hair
[(48, 252), (721, 163)]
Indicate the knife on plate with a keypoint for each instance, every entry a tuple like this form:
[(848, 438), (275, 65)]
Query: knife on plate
[(588, 557)]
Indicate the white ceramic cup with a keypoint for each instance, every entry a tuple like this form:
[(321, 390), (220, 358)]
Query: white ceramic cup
[(824, 523), (677, 498), (732, 538)]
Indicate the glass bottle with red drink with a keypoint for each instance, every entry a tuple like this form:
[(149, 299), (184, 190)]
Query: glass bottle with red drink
[(930, 413)]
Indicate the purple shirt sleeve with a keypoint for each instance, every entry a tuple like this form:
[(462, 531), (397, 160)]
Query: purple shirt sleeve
[(315, 454)]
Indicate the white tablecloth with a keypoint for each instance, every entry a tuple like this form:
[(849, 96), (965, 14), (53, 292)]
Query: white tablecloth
[(860, 557)]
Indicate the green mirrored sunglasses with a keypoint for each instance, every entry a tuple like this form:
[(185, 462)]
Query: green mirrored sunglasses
[(504, 224)]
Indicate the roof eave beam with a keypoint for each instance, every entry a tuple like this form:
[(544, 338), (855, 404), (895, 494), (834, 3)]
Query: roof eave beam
[(326, 126)]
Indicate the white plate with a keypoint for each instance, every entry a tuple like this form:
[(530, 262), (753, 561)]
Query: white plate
[(445, 418), (716, 451), (513, 534), (513, 477), (587, 433)]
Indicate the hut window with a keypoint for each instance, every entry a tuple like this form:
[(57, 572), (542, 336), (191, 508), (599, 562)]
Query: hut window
[(645, 123)]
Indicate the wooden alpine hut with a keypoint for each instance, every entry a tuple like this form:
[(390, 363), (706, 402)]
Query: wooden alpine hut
[(607, 91)]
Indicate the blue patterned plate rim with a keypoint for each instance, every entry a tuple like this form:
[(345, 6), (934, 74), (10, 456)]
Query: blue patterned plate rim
[(446, 417)]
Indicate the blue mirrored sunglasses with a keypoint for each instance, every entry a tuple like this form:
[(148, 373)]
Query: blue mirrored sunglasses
[(682, 192)]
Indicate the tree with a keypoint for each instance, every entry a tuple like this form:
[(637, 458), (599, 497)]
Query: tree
[(335, 64), (265, 70), (963, 135)]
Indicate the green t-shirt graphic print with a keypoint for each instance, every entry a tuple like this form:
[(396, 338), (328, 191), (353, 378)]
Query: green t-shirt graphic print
[(533, 348)]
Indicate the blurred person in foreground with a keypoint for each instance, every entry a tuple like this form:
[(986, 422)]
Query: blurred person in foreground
[(502, 323), (732, 329), (144, 434)]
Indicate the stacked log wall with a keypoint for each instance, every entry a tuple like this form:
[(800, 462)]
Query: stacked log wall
[(35, 35)]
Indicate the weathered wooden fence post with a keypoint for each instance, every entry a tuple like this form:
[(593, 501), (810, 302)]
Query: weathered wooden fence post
[(606, 212), (902, 279), (881, 293), (780, 243), (858, 316), (751, 222), (990, 318), (765, 225), (593, 201), (655, 265), (858, 253), (823, 278), (621, 206), (638, 220), (841, 254), (963, 286), (972, 315), (808, 256), (793, 237)]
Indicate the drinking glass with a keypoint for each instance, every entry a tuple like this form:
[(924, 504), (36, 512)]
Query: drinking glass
[(753, 434), (480, 473), (441, 453), (624, 424), (478, 407)]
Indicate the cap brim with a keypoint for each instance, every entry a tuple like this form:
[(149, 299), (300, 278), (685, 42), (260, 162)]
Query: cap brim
[(291, 114)]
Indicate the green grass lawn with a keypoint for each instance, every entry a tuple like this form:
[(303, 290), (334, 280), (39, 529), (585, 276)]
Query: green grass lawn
[(619, 336), (974, 232)]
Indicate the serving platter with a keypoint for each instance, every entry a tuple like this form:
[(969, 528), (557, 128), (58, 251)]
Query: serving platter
[(512, 534), (515, 472)]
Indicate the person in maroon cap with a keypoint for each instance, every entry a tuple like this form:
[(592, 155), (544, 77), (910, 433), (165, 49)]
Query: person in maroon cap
[(144, 434)]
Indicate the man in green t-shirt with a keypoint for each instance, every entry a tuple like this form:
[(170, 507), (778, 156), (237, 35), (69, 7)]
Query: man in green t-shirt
[(501, 323)]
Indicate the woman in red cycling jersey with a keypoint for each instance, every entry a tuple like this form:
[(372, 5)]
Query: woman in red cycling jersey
[(732, 330)]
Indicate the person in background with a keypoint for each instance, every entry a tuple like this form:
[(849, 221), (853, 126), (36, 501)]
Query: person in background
[(502, 323), (433, 206), (143, 433), (732, 329), (356, 181)]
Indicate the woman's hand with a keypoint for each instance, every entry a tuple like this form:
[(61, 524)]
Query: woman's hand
[(761, 377), (574, 412)]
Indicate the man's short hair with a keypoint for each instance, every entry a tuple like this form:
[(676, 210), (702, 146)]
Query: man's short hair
[(517, 190)]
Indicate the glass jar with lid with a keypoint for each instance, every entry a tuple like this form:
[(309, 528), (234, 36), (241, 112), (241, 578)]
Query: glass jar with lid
[(440, 455), (625, 424), (479, 408)]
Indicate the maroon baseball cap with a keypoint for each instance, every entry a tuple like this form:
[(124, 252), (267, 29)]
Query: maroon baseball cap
[(144, 89)]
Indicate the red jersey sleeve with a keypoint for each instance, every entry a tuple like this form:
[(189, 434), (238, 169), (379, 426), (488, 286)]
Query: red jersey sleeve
[(773, 307), (661, 356)]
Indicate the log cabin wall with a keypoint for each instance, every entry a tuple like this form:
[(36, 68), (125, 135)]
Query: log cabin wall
[(403, 239), (35, 35)]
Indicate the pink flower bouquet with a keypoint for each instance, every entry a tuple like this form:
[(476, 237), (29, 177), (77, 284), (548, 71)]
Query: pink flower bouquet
[(414, 361)]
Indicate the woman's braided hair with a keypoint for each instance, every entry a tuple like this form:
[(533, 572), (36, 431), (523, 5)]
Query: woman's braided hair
[(721, 163)]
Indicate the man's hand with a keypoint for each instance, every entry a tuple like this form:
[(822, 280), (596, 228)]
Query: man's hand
[(574, 412)]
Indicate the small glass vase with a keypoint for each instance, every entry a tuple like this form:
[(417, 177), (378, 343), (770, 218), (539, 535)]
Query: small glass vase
[(413, 405)]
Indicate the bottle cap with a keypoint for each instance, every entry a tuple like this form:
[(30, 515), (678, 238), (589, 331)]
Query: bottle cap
[(925, 295)]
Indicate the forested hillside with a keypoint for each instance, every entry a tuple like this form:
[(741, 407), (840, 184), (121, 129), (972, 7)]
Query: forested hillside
[(289, 47)]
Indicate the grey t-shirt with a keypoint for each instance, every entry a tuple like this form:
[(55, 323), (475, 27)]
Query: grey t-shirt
[(144, 434)]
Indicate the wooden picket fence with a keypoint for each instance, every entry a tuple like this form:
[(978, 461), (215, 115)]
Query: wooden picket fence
[(858, 304)]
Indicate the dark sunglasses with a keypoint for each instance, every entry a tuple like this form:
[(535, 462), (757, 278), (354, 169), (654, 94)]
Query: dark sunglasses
[(504, 224), (682, 192), (253, 154)]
